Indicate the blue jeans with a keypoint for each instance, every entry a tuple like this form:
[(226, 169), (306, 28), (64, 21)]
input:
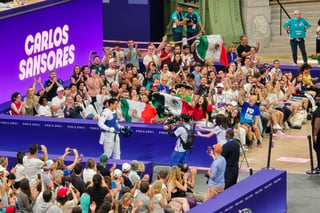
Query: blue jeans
[(294, 44), (179, 158)]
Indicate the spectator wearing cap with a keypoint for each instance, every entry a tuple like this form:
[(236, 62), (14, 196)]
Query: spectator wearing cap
[(57, 103), (33, 165), (196, 73), (216, 180), (112, 73), (76, 180), (219, 100), (125, 174), (45, 174), (95, 65), (118, 54), (179, 155), (52, 84), (182, 92), (116, 183), (101, 166), (65, 204)]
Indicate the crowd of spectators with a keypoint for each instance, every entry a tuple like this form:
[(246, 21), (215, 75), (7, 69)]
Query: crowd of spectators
[(249, 96)]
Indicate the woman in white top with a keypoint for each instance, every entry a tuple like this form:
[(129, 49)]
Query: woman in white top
[(220, 128), (159, 197), (44, 108)]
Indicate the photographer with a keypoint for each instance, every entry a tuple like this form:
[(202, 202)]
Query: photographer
[(179, 155), (72, 109)]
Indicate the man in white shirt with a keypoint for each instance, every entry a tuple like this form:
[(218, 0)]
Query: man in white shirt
[(151, 56), (33, 165), (233, 93), (112, 72), (57, 103)]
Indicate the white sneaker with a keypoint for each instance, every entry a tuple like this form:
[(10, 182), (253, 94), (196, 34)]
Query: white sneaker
[(285, 126), (280, 133), (276, 127)]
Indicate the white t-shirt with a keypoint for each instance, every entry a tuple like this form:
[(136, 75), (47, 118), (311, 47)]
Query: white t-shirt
[(88, 175), (56, 101), (19, 172), (44, 111), (181, 132), (147, 59), (112, 78), (32, 167), (221, 135), (156, 203), (232, 95)]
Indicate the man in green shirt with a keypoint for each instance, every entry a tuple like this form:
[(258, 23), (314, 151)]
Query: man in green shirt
[(177, 25), (193, 24), (96, 63)]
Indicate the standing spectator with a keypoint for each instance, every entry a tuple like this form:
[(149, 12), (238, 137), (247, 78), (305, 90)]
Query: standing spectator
[(232, 53), (166, 54), (98, 191), (297, 27), (216, 180), (132, 53), (141, 194), (110, 128), (231, 153), (77, 75), (89, 171), (52, 84), (33, 165), (25, 199), (151, 56), (244, 49), (179, 155), (178, 22), (193, 24), (112, 72), (94, 84), (219, 129), (118, 54), (96, 63), (16, 104)]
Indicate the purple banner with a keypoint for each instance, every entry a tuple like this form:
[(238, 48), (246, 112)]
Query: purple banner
[(53, 38)]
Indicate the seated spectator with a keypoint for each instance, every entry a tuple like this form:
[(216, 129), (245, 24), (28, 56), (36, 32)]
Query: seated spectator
[(17, 106), (72, 109), (44, 108), (88, 110), (176, 64), (249, 116), (58, 103), (31, 102), (232, 53)]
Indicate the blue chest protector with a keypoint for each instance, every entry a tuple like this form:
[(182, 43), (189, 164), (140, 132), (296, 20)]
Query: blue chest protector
[(113, 122)]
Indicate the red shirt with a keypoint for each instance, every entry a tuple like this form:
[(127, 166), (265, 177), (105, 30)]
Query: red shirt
[(18, 105), (198, 113), (164, 54)]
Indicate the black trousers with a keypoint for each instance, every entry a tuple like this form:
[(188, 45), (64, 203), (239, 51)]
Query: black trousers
[(316, 148), (231, 176)]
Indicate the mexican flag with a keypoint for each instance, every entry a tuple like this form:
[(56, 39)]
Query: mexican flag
[(211, 46), (136, 111), (166, 103)]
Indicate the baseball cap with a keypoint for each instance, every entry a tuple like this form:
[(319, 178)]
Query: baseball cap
[(126, 167), (117, 173), (111, 60), (62, 192), (48, 164), (217, 148), (197, 64), (2, 169), (220, 85), (103, 160), (60, 89)]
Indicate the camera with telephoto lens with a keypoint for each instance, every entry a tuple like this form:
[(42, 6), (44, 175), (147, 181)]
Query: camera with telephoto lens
[(172, 119)]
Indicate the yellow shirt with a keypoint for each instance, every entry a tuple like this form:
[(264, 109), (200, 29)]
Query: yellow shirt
[(307, 80)]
